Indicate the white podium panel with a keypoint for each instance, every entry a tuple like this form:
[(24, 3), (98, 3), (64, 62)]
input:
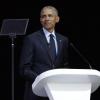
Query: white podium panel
[(68, 91), (69, 84)]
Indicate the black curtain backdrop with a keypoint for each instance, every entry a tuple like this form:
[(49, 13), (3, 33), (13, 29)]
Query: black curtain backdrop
[(79, 21)]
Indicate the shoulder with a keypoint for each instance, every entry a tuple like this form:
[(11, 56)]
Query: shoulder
[(33, 36), (62, 37)]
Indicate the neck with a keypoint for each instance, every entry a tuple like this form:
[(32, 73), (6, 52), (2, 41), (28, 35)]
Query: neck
[(50, 30)]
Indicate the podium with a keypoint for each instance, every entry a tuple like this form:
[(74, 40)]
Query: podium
[(67, 84)]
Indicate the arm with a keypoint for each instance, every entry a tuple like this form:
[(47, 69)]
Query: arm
[(26, 60)]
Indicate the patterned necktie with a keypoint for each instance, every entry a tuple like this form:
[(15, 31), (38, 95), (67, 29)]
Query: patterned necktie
[(52, 47)]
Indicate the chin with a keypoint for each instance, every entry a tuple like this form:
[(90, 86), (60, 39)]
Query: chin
[(47, 28)]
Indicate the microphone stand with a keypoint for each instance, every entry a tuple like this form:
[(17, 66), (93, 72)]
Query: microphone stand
[(81, 55)]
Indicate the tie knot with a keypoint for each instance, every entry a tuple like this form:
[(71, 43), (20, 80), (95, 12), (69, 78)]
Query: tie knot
[(51, 35)]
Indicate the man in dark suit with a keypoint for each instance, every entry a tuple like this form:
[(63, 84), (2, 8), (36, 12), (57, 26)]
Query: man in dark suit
[(36, 56)]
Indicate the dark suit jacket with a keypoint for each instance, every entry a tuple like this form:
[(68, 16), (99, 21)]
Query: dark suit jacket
[(35, 59)]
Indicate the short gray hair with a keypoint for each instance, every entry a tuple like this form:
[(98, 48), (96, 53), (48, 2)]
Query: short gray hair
[(50, 7)]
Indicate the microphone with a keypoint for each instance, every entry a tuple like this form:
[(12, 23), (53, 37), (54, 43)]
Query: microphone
[(77, 51)]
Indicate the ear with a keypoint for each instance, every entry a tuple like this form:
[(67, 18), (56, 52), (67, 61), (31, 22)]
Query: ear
[(57, 19)]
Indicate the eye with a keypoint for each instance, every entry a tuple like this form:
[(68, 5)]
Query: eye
[(50, 15), (43, 16)]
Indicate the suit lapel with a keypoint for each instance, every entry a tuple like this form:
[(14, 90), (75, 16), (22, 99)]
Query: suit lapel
[(59, 44), (44, 43)]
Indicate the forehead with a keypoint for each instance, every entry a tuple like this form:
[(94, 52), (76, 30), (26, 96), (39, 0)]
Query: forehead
[(48, 11)]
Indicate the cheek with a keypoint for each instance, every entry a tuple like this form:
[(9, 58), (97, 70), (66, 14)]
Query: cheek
[(42, 22)]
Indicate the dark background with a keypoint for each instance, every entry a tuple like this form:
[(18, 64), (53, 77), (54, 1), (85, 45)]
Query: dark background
[(79, 21)]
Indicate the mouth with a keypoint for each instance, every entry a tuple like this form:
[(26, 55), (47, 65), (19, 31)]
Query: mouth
[(47, 24)]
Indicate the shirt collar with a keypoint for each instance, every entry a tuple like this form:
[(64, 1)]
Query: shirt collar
[(47, 34)]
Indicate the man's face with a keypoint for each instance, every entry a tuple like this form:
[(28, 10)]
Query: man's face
[(48, 19)]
